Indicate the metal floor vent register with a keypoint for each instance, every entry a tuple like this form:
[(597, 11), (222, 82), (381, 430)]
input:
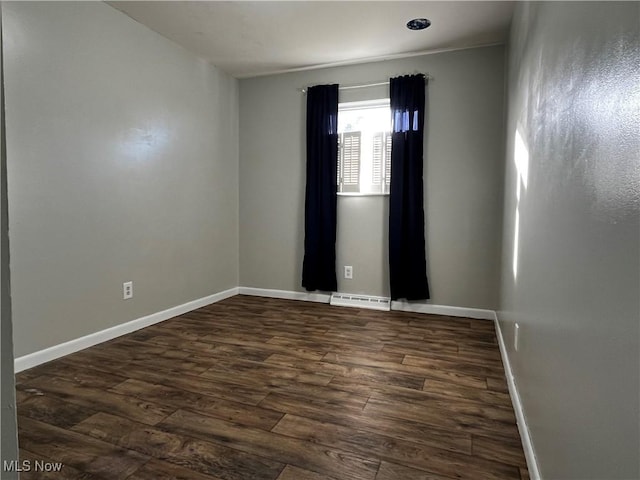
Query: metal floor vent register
[(360, 301)]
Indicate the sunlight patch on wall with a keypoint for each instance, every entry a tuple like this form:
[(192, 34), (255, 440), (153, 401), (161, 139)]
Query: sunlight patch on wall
[(521, 159), (141, 143)]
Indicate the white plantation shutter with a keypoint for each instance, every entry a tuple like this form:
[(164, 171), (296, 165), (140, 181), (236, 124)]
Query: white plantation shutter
[(387, 158), (364, 157), (381, 166), (378, 158), (350, 161)]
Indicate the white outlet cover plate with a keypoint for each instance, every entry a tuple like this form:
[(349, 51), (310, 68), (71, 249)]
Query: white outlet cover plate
[(348, 271), (127, 290)]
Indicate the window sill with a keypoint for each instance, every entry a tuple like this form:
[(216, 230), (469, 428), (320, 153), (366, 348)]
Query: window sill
[(358, 194)]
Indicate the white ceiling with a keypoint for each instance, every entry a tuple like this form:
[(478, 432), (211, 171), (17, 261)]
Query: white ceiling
[(250, 38)]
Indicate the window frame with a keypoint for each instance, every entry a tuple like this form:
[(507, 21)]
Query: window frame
[(351, 189)]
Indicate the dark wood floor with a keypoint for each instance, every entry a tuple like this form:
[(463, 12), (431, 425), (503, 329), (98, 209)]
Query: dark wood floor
[(255, 388)]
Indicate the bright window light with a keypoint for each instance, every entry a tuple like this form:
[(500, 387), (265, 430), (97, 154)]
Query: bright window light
[(364, 153)]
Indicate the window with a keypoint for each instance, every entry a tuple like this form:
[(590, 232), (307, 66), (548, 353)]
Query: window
[(364, 150)]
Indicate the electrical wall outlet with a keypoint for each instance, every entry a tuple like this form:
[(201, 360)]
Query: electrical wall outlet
[(127, 290), (348, 271), (516, 337)]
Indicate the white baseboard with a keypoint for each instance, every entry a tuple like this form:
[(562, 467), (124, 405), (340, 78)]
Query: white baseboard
[(395, 305), (285, 294), (523, 428), (57, 351), (428, 308)]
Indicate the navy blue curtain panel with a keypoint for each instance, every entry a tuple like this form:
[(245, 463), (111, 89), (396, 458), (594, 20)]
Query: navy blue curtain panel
[(407, 257), (319, 265)]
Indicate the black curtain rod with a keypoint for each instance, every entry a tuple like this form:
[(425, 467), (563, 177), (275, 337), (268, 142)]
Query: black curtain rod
[(366, 85)]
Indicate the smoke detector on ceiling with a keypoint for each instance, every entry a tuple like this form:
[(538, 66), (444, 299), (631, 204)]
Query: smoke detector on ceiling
[(418, 23)]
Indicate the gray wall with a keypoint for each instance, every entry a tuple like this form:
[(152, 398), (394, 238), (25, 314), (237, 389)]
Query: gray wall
[(8, 430), (463, 180), (122, 165), (574, 96)]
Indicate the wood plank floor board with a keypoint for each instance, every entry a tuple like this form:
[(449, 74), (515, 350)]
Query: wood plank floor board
[(67, 472), (237, 391), (324, 410), (143, 353), (306, 455), (393, 471), (295, 473), (130, 407), (320, 345), (250, 370), (75, 373), (373, 359), (434, 460), (387, 361), (454, 391), (404, 346), (460, 336), (355, 418), (135, 349), (455, 364), (441, 322), (178, 398), (234, 344), (54, 411), (156, 469), (198, 454), (353, 372), (323, 397), (270, 389), (429, 402), (337, 340), (497, 384), (423, 399), (442, 418), (78, 451), (460, 357), (505, 451), (480, 354)]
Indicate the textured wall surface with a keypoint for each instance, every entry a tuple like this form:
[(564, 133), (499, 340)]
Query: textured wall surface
[(570, 270), (464, 152), (122, 163), (9, 431)]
